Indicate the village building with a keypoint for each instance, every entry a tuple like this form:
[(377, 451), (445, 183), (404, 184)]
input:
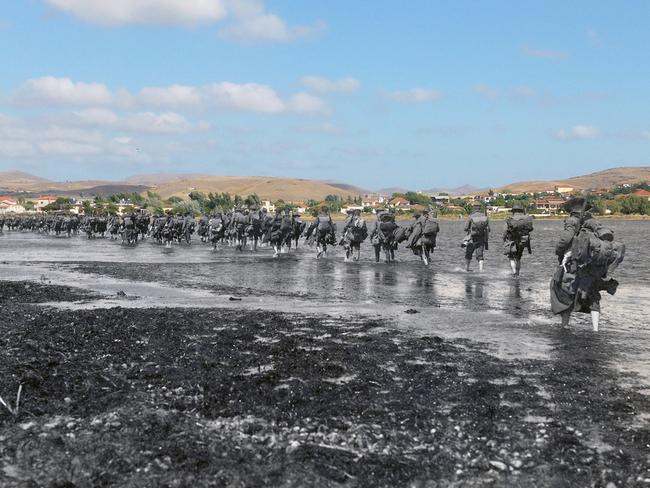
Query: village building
[(642, 193), (43, 201), (9, 205), (440, 198), (373, 200), (563, 190), (550, 204), (400, 203)]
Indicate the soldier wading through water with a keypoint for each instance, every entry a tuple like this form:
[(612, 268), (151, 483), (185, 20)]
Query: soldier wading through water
[(476, 239), (422, 239), (355, 231), (516, 238), (322, 231), (588, 255)]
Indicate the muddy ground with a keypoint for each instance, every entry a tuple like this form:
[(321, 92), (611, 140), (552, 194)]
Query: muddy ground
[(182, 397)]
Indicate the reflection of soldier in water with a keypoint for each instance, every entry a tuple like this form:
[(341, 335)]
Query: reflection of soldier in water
[(475, 291), (588, 254)]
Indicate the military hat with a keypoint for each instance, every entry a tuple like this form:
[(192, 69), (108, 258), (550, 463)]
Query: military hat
[(517, 207), (356, 211), (577, 204)]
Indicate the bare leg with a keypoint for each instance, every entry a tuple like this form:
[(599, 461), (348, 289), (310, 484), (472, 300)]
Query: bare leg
[(468, 262), (565, 318), (595, 319), (513, 267), (480, 266)]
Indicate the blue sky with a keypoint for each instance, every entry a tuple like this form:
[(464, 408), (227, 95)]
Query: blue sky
[(380, 93)]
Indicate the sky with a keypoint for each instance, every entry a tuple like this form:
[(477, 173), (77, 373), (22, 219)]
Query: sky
[(376, 93)]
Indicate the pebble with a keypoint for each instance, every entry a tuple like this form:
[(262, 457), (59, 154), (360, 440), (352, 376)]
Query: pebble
[(499, 465), (516, 463)]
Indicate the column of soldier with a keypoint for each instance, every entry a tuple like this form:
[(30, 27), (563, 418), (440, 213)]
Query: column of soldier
[(587, 252)]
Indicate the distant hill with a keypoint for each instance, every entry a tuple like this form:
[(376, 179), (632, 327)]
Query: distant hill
[(289, 189), (268, 188), (392, 189), (104, 190), (461, 190), (601, 179), (153, 179)]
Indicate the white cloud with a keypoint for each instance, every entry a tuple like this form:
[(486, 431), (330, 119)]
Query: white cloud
[(486, 91), (269, 27), (121, 12), (16, 148), (97, 116), (67, 148), (171, 96), (578, 132), (250, 97), (415, 95), (62, 91), (251, 20), (544, 53), (145, 122), (323, 85), (165, 123), (304, 103)]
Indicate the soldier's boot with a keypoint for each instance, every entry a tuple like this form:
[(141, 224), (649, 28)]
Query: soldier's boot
[(513, 267), (468, 263)]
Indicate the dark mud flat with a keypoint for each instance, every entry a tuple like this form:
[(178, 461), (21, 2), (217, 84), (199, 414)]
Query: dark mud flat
[(177, 397)]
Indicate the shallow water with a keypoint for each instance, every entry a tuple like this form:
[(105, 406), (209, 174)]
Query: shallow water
[(511, 315)]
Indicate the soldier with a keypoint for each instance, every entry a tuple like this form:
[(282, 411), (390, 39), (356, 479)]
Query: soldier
[(516, 237), (355, 231), (589, 255), (423, 235), (322, 231), (275, 232), (477, 234), (383, 235)]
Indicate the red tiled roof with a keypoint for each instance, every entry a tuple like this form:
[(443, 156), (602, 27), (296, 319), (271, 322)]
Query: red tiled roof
[(641, 193)]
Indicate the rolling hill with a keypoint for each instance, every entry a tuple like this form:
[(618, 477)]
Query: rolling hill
[(600, 179), (289, 189), (167, 185), (268, 188)]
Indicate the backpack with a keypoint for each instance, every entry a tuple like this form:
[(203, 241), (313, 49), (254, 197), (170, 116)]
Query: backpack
[(431, 228), (520, 225), (479, 225), (359, 229), (324, 223), (286, 224)]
